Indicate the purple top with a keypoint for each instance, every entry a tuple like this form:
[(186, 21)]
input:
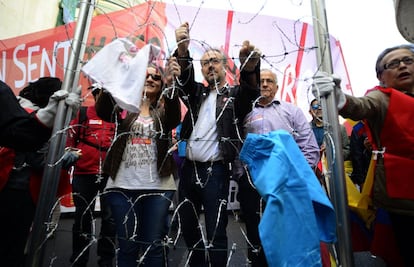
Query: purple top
[(280, 115)]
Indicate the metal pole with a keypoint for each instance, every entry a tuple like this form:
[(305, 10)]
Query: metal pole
[(332, 139), (51, 176)]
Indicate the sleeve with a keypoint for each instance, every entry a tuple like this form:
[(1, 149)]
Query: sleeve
[(187, 77), (371, 106), (305, 138), (249, 91), (172, 112), (105, 106), (73, 133), (251, 78)]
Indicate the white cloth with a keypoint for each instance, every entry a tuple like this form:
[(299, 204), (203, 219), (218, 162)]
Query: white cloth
[(121, 70)]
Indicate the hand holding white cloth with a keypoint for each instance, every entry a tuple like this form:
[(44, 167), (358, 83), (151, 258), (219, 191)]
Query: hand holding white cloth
[(121, 70)]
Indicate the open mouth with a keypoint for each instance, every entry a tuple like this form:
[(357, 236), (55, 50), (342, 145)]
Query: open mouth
[(404, 75)]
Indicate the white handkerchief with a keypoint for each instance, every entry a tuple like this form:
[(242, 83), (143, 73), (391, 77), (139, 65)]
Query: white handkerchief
[(121, 69)]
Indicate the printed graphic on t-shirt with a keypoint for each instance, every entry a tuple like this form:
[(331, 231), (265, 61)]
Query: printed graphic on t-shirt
[(140, 152)]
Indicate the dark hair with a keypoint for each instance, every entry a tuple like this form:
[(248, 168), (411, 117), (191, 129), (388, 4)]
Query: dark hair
[(220, 52), (313, 100), (38, 92), (161, 70), (95, 91), (379, 68)]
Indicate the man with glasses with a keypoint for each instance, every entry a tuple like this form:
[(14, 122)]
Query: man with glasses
[(317, 123), (317, 127), (268, 115), (388, 112), (211, 128)]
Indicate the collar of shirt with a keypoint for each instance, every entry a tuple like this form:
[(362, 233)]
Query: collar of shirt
[(274, 102), (220, 91)]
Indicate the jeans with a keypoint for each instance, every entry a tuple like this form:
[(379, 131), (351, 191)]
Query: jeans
[(205, 184), (85, 189), (141, 219), (252, 206)]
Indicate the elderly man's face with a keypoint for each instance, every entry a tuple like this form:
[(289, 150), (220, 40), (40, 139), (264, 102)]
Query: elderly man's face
[(268, 86)]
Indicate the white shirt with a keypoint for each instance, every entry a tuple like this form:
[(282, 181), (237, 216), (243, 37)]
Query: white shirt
[(138, 168), (203, 144)]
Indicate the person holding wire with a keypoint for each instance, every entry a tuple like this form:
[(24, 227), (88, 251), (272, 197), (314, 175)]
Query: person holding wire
[(387, 111), (211, 129), (140, 168)]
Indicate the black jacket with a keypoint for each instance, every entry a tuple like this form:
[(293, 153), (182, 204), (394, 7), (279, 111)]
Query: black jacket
[(166, 118), (233, 104), (19, 129)]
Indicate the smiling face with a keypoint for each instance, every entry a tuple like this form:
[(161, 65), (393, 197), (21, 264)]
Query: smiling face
[(213, 68), (316, 111), (398, 70), (153, 84)]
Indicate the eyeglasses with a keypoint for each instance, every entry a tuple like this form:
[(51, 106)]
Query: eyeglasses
[(315, 107), (155, 77), (393, 64), (212, 61)]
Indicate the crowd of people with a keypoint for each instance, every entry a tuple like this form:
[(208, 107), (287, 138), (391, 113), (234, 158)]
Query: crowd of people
[(126, 158)]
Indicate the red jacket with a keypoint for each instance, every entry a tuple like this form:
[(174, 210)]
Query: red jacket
[(94, 137), (7, 161)]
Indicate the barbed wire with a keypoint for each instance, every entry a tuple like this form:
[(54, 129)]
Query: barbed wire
[(273, 60)]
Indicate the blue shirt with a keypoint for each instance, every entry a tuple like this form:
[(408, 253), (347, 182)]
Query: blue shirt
[(319, 133)]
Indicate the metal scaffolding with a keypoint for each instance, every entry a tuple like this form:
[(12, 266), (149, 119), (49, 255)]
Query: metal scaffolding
[(334, 154), (41, 224)]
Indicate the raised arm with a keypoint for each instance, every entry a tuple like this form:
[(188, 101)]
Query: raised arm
[(182, 54), (250, 64)]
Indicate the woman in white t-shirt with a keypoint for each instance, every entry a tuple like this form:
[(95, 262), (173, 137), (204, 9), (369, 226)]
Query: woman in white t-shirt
[(141, 185)]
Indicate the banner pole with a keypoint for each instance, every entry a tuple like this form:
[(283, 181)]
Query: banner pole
[(334, 154), (42, 226)]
